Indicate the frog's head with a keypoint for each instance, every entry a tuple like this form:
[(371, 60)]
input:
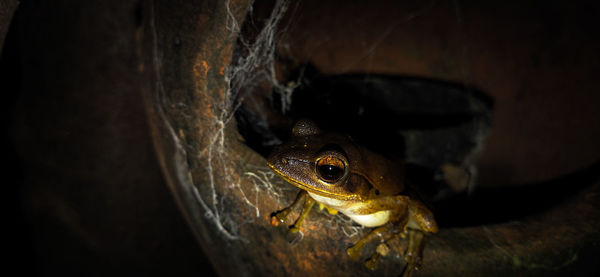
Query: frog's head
[(318, 163)]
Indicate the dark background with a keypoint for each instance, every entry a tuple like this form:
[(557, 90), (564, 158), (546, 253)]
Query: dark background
[(83, 193)]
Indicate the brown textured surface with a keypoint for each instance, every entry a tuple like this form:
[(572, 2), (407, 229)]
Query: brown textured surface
[(496, 250), (99, 202)]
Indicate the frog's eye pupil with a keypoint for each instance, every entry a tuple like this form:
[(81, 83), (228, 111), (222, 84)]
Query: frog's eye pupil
[(330, 169), (330, 172)]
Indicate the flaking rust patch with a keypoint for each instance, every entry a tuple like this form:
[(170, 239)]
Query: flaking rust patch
[(201, 69), (306, 264)]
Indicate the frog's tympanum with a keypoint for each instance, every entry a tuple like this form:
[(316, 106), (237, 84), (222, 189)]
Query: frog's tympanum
[(336, 173)]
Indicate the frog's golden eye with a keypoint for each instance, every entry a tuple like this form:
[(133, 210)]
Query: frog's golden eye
[(330, 169)]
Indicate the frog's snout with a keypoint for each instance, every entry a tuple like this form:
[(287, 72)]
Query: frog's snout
[(277, 162)]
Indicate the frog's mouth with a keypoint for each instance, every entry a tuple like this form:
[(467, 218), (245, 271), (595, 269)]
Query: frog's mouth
[(307, 188)]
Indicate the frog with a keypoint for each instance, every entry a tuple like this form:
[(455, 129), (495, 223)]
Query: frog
[(331, 169)]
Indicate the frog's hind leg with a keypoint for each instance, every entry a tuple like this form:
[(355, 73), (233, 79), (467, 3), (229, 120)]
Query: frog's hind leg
[(414, 251), (421, 222), (382, 250), (382, 233), (373, 261), (413, 254)]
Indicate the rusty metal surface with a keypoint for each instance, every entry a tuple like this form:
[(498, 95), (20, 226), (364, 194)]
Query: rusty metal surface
[(231, 224), (123, 135), (195, 126)]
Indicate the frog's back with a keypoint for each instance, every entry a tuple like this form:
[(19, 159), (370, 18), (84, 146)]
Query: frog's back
[(383, 174)]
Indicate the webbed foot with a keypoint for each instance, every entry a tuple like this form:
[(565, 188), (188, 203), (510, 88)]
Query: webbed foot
[(373, 261), (354, 252)]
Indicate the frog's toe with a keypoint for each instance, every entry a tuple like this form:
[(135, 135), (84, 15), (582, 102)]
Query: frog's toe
[(412, 264), (373, 261), (275, 221), (408, 271), (353, 252), (413, 261), (382, 249), (281, 216)]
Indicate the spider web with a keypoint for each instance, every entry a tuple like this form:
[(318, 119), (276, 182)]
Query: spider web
[(253, 64)]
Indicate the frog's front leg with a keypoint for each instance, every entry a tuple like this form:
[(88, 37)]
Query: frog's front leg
[(282, 216)]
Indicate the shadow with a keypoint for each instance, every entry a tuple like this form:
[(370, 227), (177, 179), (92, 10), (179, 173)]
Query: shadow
[(502, 205), (20, 245), (422, 121), (426, 123)]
